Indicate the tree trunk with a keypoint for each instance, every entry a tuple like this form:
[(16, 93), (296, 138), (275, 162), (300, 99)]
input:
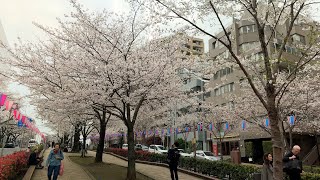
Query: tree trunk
[(100, 148), (76, 141), (221, 154), (83, 152), (131, 173), (276, 140)]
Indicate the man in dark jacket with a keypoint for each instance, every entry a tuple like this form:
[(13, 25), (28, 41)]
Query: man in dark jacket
[(173, 160), (292, 163)]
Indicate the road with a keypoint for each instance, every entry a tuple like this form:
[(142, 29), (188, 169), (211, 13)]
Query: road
[(7, 151)]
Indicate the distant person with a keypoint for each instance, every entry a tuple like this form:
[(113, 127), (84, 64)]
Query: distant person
[(34, 159), (52, 145), (267, 168), (54, 162), (173, 160), (293, 164)]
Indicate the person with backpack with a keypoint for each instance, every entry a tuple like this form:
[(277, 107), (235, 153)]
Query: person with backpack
[(54, 162), (173, 160)]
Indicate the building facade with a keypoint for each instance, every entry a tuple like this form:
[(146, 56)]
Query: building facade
[(245, 43)]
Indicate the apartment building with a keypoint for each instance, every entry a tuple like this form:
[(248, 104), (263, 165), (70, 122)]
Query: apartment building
[(227, 80)]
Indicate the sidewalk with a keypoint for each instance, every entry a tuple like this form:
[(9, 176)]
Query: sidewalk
[(71, 170), (155, 172)]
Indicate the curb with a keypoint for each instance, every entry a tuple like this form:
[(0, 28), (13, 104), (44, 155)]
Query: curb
[(166, 165)]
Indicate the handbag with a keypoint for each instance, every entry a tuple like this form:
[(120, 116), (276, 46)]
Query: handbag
[(61, 169)]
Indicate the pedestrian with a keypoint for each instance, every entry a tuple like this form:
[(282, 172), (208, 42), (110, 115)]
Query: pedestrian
[(34, 159), (267, 168), (54, 162), (293, 164), (173, 160), (52, 144)]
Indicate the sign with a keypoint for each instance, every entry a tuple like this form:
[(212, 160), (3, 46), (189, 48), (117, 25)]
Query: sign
[(215, 149)]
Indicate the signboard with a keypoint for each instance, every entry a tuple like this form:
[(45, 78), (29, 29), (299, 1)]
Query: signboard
[(215, 149)]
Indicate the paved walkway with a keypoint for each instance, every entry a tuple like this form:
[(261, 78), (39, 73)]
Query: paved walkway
[(71, 170), (155, 172)]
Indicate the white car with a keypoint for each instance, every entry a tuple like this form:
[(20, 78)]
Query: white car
[(158, 149), (207, 155), (125, 146), (32, 142), (183, 154)]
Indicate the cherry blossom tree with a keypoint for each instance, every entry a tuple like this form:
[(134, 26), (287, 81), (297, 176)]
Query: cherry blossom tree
[(267, 16), (103, 62)]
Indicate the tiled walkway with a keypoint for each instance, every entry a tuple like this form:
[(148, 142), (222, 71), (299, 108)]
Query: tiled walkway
[(155, 172), (72, 171)]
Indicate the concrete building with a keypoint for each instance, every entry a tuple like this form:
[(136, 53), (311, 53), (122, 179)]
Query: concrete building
[(193, 46), (245, 40)]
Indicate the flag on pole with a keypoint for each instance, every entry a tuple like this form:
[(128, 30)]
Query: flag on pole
[(267, 122), (291, 120), (227, 126), (3, 98), (211, 126), (243, 124), (8, 105)]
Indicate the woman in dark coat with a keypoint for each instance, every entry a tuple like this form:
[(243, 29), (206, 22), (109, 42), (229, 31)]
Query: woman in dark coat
[(267, 169)]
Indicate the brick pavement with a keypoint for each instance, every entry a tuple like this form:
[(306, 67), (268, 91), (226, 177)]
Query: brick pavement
[(71, 170), (155, 172)]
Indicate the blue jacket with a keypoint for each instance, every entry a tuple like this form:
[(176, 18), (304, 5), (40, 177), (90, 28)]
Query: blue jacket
[(52, 158)]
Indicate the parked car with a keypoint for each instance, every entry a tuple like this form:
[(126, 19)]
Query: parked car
[(145, 148), (125, 146), (183, 154), (32, 142), (9, 145), (158, 149), (207, 155), (138, 147)]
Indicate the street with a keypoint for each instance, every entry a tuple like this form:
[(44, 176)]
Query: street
[(7, 151)]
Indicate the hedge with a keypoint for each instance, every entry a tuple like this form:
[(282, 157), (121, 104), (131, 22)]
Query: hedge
[(310, 176), (217, 169), (12, 165)]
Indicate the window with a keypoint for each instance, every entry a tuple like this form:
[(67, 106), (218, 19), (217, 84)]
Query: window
[(298, 38), (247, 29), (248, 46), (223, 72), (217, 92), (224, 89)]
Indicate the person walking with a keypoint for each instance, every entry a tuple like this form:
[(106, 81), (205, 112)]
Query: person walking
[(173, 160), (52, 144), (267, 168), (54, 162), (293, 164)]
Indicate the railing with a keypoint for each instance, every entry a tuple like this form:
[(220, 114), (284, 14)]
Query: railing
[(311, 157)]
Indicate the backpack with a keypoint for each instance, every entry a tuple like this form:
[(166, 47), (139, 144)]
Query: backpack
[(173, 156)]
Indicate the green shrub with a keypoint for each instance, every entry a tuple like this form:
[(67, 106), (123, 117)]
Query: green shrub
[(248, 147), (267, 146), (219, 169), (311, 169), (310, 176)]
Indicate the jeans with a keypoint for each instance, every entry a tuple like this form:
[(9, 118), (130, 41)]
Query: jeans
[(55, 170), (173, 171)]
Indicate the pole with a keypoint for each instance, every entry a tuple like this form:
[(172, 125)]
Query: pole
[(194, 139), (3, 143)]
